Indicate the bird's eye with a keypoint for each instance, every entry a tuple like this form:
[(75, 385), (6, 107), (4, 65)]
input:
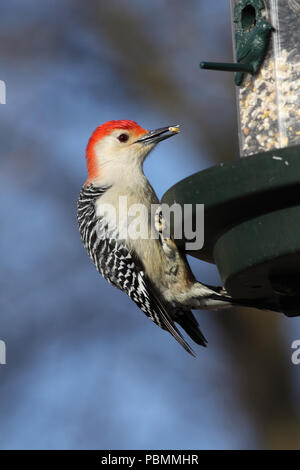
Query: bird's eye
[(123, 137)]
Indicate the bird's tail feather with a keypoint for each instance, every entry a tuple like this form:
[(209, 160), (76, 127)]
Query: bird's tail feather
[(188, 322)]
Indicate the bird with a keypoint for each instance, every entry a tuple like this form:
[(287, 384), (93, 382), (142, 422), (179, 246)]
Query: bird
[(151, 270), (252, 49)]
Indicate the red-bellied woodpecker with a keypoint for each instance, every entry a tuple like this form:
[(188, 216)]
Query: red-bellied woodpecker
[(150, 270)]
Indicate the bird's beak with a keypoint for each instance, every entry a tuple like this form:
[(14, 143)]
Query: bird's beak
[(153, 137)]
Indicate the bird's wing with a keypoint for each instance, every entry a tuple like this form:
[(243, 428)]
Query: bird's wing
[(243, 52), (122, 268), (246, 49)]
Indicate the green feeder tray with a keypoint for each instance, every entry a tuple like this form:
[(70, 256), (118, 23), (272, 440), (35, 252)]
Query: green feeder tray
[(251, 224)]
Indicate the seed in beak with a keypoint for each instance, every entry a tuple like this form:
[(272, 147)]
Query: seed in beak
[(174, 129)]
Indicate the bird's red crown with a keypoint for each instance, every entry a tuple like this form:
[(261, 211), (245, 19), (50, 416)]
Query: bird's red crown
[(102, 131)]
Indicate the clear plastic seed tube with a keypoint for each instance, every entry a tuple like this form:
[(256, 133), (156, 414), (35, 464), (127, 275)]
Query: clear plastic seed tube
[(269, 102)]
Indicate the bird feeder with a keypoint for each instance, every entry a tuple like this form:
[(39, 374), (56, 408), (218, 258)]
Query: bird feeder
[(252, 203)]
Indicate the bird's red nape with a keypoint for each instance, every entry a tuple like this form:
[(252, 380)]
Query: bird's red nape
[(102, 131)]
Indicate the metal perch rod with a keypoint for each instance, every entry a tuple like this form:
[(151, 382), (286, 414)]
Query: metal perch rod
[(225, 67)]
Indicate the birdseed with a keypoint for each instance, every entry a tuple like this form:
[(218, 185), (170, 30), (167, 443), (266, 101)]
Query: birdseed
[(269, 103)]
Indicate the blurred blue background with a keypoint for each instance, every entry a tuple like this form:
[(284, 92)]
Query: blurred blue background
[(85, 369)]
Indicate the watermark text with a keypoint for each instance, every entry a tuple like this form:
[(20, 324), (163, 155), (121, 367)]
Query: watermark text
[(2, 352), (139, 221), (2, 92), (296, 354)]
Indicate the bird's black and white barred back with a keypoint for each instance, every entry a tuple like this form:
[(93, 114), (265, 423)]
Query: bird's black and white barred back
[(117, 264)]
